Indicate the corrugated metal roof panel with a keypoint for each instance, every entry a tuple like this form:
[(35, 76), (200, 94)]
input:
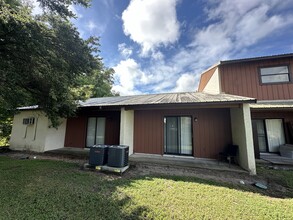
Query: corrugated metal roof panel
[(156, 99), (166, 98), (273, 104)]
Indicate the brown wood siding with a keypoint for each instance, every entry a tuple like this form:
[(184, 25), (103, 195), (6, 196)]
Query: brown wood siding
[(205, 77), (243, 79), (287, 117), (76, 128), (75, 132), (112, 133), (211, 132)]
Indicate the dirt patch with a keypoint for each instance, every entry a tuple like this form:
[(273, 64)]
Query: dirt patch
[(238, 180)]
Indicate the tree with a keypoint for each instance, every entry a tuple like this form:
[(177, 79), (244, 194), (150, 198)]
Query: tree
[(43, 60)]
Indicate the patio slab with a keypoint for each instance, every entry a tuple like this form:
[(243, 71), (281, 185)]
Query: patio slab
[(276, 159), (167, 160), (188, 162)]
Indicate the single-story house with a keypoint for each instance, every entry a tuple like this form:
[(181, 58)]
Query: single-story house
[(193, 124)]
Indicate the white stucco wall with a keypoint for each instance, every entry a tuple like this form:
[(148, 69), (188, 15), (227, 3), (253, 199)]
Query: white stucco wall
[(213, 85), (127, 129), (242, 136), (29, 137), (37, 137), (55, 137)]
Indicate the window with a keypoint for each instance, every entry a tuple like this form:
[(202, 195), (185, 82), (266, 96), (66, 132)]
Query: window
[(95, 131), (275, 74)]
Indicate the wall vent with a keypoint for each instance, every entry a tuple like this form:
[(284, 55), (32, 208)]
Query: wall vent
[(28, 121)]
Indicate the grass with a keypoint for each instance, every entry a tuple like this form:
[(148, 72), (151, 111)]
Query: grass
[(40, 189)]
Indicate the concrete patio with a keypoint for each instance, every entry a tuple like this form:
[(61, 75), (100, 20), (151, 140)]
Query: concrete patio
[(188, 162), (166, 160), (276, 159)]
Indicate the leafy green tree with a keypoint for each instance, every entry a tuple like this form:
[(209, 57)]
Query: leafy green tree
[(44, 61)]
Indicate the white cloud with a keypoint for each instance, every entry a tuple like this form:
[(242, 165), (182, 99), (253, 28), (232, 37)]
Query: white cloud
[(185, 83), (127, 75), (157, 55), (124, 50), (91, 25), (233, 27), (75, 11), (36, 9), (151, 23)]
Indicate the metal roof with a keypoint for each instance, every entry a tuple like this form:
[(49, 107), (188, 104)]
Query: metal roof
[(256, 58), (273, 104), (166, 98), (157, 99)]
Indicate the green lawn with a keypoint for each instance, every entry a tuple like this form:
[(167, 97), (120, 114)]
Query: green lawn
[(40, 189)]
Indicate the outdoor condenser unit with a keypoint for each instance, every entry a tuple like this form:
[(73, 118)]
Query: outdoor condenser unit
[(98, 155), (118, 156)]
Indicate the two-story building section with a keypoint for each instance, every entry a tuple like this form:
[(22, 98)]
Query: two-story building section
[(268, 79)]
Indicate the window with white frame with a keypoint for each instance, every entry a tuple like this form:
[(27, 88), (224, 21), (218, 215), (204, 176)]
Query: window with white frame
[(277, 74)]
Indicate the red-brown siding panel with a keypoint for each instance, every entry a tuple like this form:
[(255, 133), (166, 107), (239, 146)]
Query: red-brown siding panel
[(75, 132), (211, 131), (76, 128), (243, 79), (112, 133), (148, 132)]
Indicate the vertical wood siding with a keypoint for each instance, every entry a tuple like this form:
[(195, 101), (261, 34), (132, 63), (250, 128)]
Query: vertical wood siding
[(211, 132), (76, 128), (75, 132), (243, 79)]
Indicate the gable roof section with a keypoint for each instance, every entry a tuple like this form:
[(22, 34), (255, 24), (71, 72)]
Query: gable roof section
[(287, 55), (205, 77), (166, 98), (207, 74)]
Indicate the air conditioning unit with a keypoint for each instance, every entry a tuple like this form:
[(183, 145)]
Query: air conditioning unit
[(98, 155), (118, 156), (28, 121)]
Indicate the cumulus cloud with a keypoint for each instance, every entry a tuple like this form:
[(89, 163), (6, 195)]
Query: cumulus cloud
[(127, 75), (185, 83), (124, 50), (233, 27), (151, 23)]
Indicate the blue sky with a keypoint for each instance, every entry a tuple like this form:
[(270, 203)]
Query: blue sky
[(158, 46)]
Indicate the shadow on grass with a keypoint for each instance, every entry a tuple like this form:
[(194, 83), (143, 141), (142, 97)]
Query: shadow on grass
[(40, 189)]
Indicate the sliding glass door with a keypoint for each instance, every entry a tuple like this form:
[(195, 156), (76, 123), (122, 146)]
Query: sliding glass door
[(178, 135), (275, 133), (270, 134), (95, 131)]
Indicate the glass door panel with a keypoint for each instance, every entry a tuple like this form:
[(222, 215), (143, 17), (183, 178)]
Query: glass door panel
[(171, 135), (91, 131), (261, 135), (100, 131), (186, 136), (178, 135), (275, 134), (95, 131)]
